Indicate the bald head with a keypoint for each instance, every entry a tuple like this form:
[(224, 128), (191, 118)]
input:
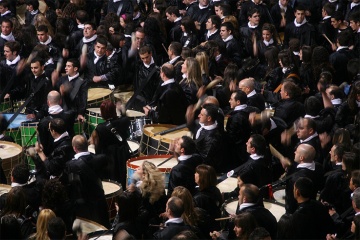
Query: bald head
[(53, 98), (211, 100), (79, 144), (305, 153), (167, 71), (247, 85)]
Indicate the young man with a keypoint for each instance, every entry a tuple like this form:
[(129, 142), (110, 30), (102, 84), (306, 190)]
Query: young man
[(233, 51), (173, 15), (355, 26), (282, 14), (6, 34), (8, 67), (250, 30), (45, 39), (89, 40), (5, 12), (32, 7), (213, 29)]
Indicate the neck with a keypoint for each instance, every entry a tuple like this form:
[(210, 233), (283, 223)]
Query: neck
[(302, 199)]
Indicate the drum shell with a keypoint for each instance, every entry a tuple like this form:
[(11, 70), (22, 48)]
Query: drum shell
[(11, 155), (93, 118), (14, 127), (27, 129), (5, 106), (112, 189), (133, 163)]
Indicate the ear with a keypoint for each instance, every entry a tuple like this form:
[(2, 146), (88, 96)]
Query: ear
[(76, 69)]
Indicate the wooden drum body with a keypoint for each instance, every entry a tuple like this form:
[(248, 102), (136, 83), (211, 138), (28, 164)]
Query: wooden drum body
[(27, 129), (112, 190), (93, 118), (97, 95), (11, 154)]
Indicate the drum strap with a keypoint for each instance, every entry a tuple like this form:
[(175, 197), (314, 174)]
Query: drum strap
[(110, 127), (79, 81)]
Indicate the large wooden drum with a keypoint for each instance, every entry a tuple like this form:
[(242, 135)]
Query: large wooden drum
[(11, 154), (159, 144), (97, 95), (112, 190)]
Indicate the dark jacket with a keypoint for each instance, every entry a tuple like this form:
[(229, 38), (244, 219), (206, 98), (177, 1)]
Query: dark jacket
[(39, 101), (305, 33), (289, 110), (339, 60), (171, 230)]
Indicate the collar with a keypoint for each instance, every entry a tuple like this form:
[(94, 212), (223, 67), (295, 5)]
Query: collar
[(326, 17), (168, 82), (358, 31), (65, 134), (14, 184), (116, 1), (34, 12), (184, 75), (55, 109), (112, 54), (255, 156), (209, 127), (47, 41), (73, 77), (336, 101), (9, 37), (228, 38), (40, 74), (309, 138), (338, 163), (273, 124), (354, 5), (267, 43), (341, 47), (174, 220), (173, 60), (284, 69), (251, 26), (80, 154), (282, 7), (81, 26), (178, 19), (245, 205), (332, 1), (240, 107), (217, 58), (138, 15), (8, 11), (357, 213), (87, 40), (97, 57), (358, 103), (311, 116), (208, 34), (299, 24), (185, 34), (296, 53), (152, 61), (15, 61), (203, 7), (253, 92), (310, 166), (184, 157), (49, 61)]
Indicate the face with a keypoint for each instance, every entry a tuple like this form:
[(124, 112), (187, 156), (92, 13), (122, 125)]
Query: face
[(233, 102), (284, 2), (302, 131), (297, 156), (209, 24), (3, 10), (249, 148), (182, 28), (139, 39), (218, 11), (283, 93), (88, 31), (300, 16), (335, 23), (266, 35), (9, 55), (184, 68), (42, 36), (140, 172), (351, 185), (204, 2), (237, 231), (100, 49), (36, 69), (255, 19), (224, 33), (353, 227), (241, 196), (70, 69), (29, 8), (6, 28), (168, 17), (203, 116), (178, 145), (354, 25), (146, 58), (196, 177), (332, 155), (122, 22)]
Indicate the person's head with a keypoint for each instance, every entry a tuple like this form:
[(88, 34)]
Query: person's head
[(89, 30), (57, 127), (172, 13), (353, 68), (6, 27), (128, 203), (354, 21), (286, 58), (32, 5), (249, 193), (299, 14), (205, 176), (125, 19), (145, 54), (72, 67), (354, 180), (20, 174), (81, 16), (285, 227), (312, 106), (185, 146), (226, 29), (203, 60), (328, 9), (260, 233), (42, 32), (237, 98), (343, 39), (305, 54), (174, 49), (354, 95), (211, 100), (100, 46), (231, 19), (271, 56), (188, 25), (356, 199), (54, 194), (254, 16), (4, 6), (208, 114), (335, 92), (303, 188), (267, 31), (355, 226), (341, 135), (247, 85), (10, 227), (53, 98), (37, 66), (284, 3), (174, 207), (213, 22), (348, 162), (244, 224), (289, 90), (139, 37), (191, 68), (41, 224), (256, 144), (304, 153), (189, 216), (11, 50), (222, 9), (185, 235), (186, 52), (79, 144), (337, 152), (108, 110), (337, 19), (15, 202), (56, 229), (167, 71)]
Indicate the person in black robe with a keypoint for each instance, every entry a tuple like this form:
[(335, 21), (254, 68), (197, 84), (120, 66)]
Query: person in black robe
[(282, 13), (173, 15)]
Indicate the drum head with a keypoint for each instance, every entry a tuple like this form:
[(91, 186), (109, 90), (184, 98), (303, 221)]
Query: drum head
[(227, 185), (87, 226), (134, 163), (134, 114), (97, 93), (231, 207), (111, 188), (9, 150), (101, 235), (134, 146), (279, 196)]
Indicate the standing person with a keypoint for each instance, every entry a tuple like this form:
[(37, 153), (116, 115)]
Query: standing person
[(41, 224), (254, 99), (32, 10), (85, 188), (282, 14), (189, 33), (233, 50), (6, 34), (106, 142), (44, 38), (192, 80), (212, 26), (173, 15), (251, 31), (174, 53)]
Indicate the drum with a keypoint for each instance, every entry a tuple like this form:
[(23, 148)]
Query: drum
[(228, 185), (97, 95), (78, 127), (11, 154), (101, 235), (4, 188), (112, 190), (274, 208), (137, 126), (13, 129), (159, 144), (123, 97), (28, 129), (279, 196), (133, 163), (87, 226), (93, 118), (132, 114), (134, 146), (5, 106)]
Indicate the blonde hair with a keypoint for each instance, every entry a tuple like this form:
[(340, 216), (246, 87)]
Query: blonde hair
[(203, 60), (40, 19), (193, 72), (233, 21), (153, 183), (41, 225), (190, 217)]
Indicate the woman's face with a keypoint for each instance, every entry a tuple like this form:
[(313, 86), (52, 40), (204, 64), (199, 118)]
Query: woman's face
[(353, 227), (237, 231), (122, 22), (281, 65), (300, 55), (140, 172), (196, 178), (183, 67), (266, 35), (182, 28)]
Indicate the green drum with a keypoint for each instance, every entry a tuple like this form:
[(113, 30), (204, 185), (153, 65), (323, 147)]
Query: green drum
[(93, 118), (5, 106), (13, 129), (78, 127), (28, 133)]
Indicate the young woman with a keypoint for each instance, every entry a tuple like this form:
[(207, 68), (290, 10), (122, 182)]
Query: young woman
[(192, 80)]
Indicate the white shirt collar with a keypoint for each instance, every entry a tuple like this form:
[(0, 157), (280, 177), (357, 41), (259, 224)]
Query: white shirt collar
[(228, 38), (341, 47), (178, 19), (299, 24), (326, 17), (203, 7), (267, 43), (49, 61), (336, 101), (255, 156), (81, 26), (209, 127), (73, 77), (116, 1), (252, 93), (245, 205), (311, 116), (217, 58), (240, 107), (152, 61), (87, 40), (34, 12), (138, 15), (9, 37), (168, 82), (309, 138), (273, 124), (174, 220), (8, 11), (296, 53), (97, 57), (173, 60), (16, 60), (354, 5), (47, 41), (14, 184), (184, 157), (208, 34), (251, 26), (310, 166), (65, 134), (55, 109), (80, 154)]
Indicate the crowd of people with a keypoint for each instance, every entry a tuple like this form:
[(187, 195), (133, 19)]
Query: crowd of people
[(269, 90)]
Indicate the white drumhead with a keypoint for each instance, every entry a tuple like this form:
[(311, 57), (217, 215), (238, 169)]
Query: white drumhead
[(134, 146), (279, 196), (4, 188), (91, 148), (9, 150), (87, 226), (132, 113), (227, 185), (110, 187), (231, 207), (95, 110), (169, 164), (97, 93)]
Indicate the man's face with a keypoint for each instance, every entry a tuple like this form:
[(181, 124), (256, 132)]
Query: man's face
[(249, 148), (209, 25), (218, 11), (42, 36), (283, 94), (297, 155), (302, 131), (70, 69), (37, 69), (241, 196), (100, 49), (204, 2), (139, 38), (169, 17), (6, 28), (30, 8), (9, 55), (300, 16), (146, 58), (255, 19), (354, 25), (224, 33), (284, 2), (3, 10), (178, 145), (332, 154), (335, 23), (203, 116), (88, 31), (233, 102)]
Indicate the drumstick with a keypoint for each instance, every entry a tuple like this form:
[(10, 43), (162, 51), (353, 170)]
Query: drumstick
[(166, 160), (222, 219), (171, 130), (213, 83), (327, 39), (275, 152)]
